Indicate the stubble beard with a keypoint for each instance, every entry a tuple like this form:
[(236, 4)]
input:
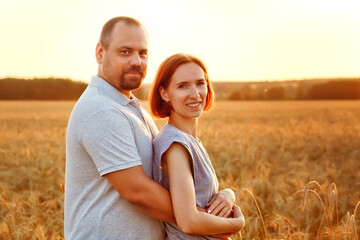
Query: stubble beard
[(134, 82)]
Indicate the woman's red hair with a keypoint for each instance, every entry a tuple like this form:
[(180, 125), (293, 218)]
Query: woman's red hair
[(158, 107)]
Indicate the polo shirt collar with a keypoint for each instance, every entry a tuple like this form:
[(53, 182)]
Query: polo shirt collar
[(102, 84)]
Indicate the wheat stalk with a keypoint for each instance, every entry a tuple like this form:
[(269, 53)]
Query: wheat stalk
[(357, 205), (353, 218), (347, 224), (257, 206), (306, 190), (323, 206), (289, 223), (331, 189)]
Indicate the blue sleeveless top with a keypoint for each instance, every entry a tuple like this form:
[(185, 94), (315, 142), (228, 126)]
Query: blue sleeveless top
[(206, 184)]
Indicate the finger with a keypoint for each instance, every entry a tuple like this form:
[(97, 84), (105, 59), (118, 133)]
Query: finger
[(228, 213), (236, 212), (211, 200), (224, 236), (217, 210), (225, 212), (222, 212), (200, 209), (213, 206)]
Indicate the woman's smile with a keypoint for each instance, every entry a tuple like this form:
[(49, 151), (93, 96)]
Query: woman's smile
[(196, 104)]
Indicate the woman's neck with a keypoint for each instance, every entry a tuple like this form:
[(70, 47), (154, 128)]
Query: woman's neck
[(187, 125)]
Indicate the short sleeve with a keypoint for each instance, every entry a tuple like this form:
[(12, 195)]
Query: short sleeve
[(162, 143), (108, 138)]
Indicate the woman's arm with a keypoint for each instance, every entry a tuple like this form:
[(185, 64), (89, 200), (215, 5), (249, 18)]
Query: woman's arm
[(182, 191)]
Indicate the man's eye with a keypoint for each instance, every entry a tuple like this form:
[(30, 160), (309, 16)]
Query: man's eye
[(126, 52), (143, 54), (182, 86)]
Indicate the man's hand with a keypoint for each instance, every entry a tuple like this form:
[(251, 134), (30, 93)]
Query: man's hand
[(222, 203)]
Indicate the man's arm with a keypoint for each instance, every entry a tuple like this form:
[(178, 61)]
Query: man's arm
[(144, 193)]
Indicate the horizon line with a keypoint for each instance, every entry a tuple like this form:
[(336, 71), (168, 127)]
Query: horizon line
[(212, 80)]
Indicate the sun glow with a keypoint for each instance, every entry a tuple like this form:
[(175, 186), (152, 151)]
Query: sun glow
[(238, 40)]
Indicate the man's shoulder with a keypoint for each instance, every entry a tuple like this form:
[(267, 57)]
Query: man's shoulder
[(94, 100), (97, 110)]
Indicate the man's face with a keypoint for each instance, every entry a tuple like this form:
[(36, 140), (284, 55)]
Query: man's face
[(124, 63)]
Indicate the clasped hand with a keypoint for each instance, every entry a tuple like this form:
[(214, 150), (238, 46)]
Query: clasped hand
[(222, 203)]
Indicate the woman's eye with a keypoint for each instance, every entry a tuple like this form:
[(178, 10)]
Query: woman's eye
[(201, 83)]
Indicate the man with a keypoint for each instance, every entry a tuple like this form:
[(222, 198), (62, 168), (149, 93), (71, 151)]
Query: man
[(109, 193)]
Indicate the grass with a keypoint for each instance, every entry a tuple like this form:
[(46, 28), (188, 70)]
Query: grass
[(296, 163)]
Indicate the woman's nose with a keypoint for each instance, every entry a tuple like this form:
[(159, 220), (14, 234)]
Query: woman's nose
[(194, 92)]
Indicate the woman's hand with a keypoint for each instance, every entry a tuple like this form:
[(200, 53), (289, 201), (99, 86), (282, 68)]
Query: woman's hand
[(238, 215), (221, 204)]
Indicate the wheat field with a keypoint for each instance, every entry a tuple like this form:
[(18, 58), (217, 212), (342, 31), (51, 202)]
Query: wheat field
[(294, 166)]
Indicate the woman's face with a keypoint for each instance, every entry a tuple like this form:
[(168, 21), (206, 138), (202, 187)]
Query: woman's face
[(187, 91)]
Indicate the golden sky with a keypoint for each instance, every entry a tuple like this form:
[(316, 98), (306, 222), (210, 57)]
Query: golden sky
[(237, 39)]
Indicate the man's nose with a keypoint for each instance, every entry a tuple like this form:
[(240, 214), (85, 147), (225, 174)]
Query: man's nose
[(135, 60)]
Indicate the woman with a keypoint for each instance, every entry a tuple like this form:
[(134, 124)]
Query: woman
[(182, 91)]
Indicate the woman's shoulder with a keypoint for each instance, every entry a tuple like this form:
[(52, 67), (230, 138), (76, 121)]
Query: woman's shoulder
[(170, 133)]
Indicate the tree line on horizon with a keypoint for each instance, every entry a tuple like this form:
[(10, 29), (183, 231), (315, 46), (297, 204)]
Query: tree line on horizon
[(40, 89), (313, 89), (317, 89)]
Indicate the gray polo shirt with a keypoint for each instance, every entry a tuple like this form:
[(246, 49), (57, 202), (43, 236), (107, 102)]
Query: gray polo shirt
[(107, 132)]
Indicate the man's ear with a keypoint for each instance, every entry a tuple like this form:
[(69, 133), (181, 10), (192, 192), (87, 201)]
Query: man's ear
[(163, 94), (99, 53)]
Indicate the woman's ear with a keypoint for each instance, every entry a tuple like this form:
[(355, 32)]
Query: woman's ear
[(163, 94)]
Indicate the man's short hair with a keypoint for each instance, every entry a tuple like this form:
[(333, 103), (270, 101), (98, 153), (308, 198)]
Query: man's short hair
[(105, 36)]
